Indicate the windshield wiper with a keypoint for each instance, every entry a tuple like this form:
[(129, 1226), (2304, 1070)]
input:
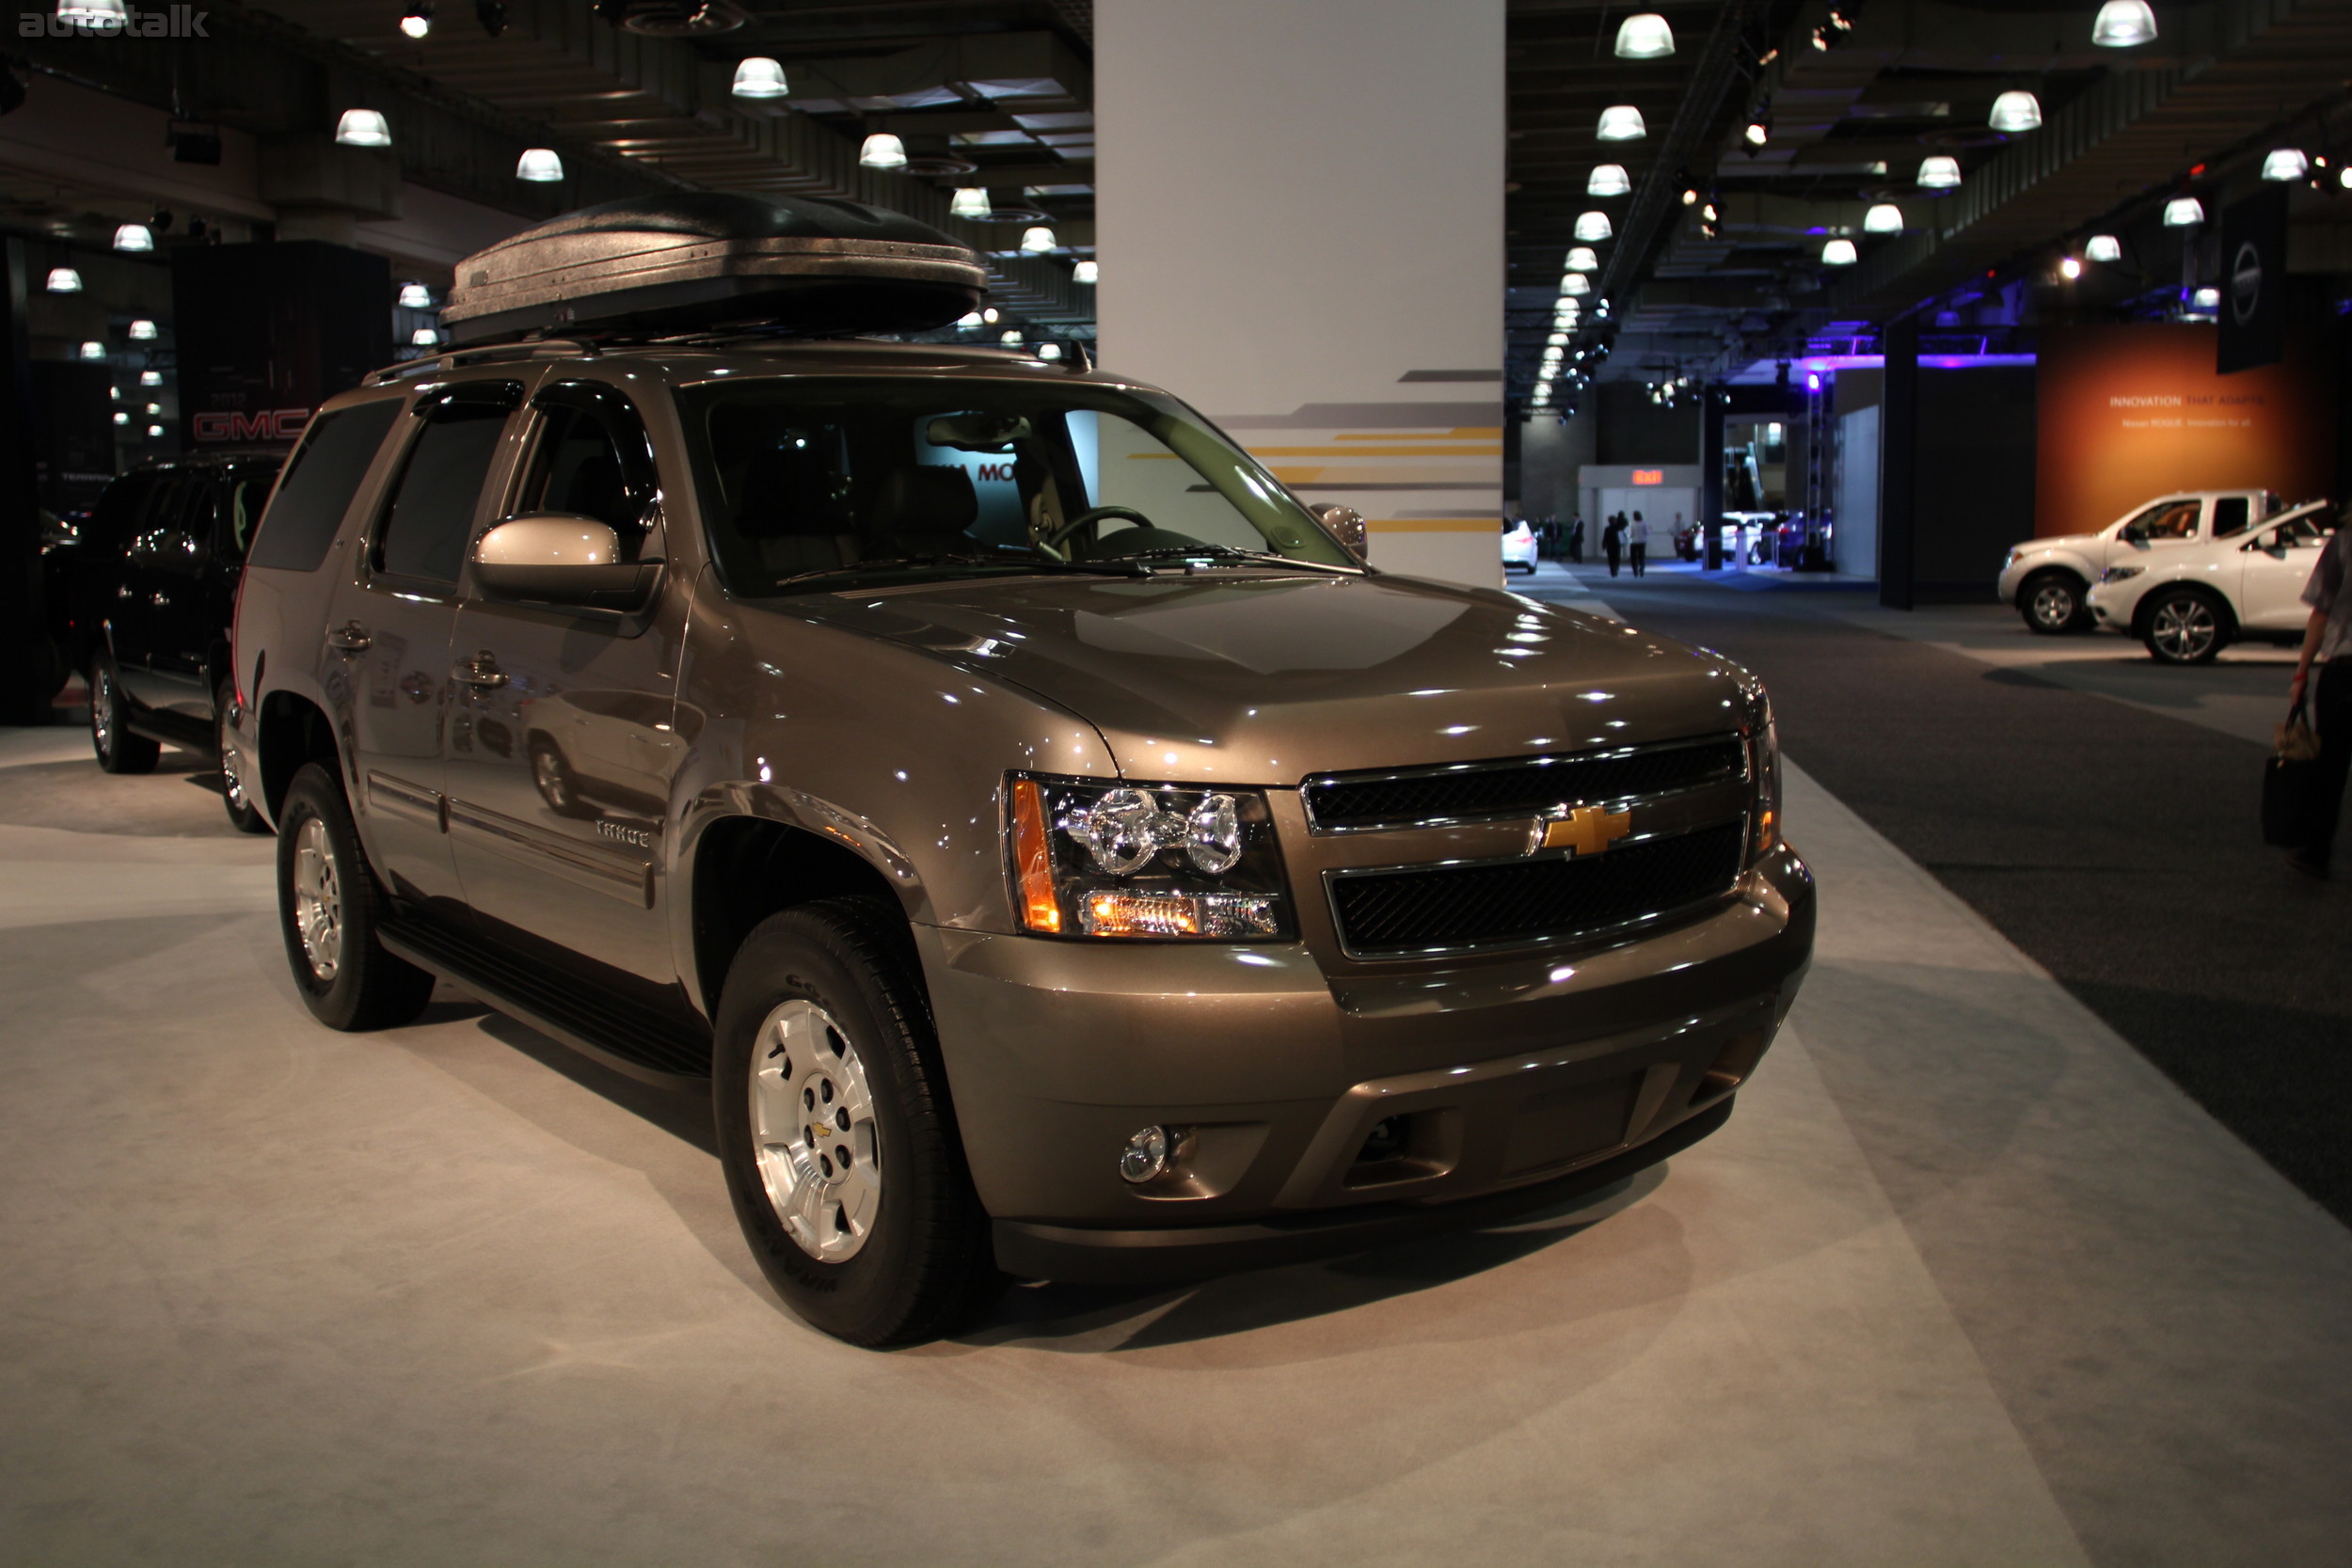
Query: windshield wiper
[(1230, 552), (1024, 563)]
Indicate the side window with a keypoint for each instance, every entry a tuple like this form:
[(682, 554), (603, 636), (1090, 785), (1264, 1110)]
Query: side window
[(592, 458), (2229, 514), (431, 510), (243, 492), (172, 536), (321, 477), (119, 512)]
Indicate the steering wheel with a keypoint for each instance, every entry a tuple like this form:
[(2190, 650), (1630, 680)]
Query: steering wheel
[(1095, 515)]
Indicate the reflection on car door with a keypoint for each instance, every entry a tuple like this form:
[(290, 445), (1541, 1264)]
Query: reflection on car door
[(562, 751), (2277, 562), (187, 618), (162, 572), (387, 636)]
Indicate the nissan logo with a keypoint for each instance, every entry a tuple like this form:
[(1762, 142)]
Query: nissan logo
[(2246, 282)]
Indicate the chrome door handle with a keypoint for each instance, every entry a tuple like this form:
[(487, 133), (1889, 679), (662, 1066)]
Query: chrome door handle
[(349, 638), (482, 670)]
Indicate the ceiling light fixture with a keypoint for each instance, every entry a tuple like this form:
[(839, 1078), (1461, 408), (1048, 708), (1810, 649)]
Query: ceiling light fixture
[(2123, 25), (93, 351), (882, 151), (424, 337), (1049, 350), (1011, 339), (1581, 258), (540, 166), (1644, 37), (363, 128), (1620, 123), (154, 430), (1592, 227), (2014, 113), (2184, 212), (1576, 283), (1085, 272), (134, 236), (148, 378), (2286, 164), (1840, 253), (142, 331), (64, 280), (1608, 179), (122, 415), (757, 76), (1037, 239), (970, 202), (2205, 299), (415, 296), (2103, 248), (1939, 173), (1558, 339), (989, 315), (1884, 218), (416, 20)]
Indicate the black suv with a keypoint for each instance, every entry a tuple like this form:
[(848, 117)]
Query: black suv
[(154, 591)]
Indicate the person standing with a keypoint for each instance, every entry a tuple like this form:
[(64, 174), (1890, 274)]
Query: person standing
[(2323, 684), (1576, 540), (1613, 540), (1637, 542)]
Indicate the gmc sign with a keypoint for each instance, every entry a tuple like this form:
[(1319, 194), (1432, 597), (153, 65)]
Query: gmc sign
[(270, 425)]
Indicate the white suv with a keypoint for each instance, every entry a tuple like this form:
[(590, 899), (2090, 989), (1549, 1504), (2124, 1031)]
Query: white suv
[(2188, 604), (2047, 579)]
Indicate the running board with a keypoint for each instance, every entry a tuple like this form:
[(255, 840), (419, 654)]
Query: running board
[(650, 1049)]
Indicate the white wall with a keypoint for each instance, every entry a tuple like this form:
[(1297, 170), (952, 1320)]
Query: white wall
[(1299, 218), (1857, 540)]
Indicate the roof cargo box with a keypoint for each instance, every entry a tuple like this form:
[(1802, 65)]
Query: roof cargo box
[(711, 259)]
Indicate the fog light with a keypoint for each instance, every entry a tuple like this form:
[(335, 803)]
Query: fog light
[(1146, 1155)]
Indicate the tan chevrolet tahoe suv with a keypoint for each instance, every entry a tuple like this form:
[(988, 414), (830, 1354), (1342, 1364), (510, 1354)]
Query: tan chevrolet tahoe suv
[(1052, 848)]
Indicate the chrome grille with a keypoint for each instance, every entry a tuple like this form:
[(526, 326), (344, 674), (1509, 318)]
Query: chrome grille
[(1517, 786)]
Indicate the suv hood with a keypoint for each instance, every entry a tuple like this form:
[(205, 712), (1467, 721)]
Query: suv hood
[(1262, 678)]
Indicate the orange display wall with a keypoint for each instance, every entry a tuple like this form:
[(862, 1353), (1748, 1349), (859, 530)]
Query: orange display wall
[(2127, 413)]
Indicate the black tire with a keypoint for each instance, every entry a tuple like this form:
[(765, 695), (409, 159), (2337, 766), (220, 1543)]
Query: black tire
[(364, 987), (242, 812), (119, 750), (2183, 625), (924, 1266), (2052, 603)]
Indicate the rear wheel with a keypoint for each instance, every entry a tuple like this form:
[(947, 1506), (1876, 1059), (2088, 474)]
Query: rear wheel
[(232, 791), (2185, 627), (835, 1134), (331, 909), (2052, 603), (119, 750)]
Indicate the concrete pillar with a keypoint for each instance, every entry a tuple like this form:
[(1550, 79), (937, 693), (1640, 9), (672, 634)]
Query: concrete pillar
[(1300, 220), (1899, 454)]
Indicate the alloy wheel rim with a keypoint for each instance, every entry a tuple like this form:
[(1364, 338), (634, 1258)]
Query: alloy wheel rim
[(318, 901), (814, 1133), (2052, 606), (2184, 628), (230, 785), (550, 779), (102, 711)]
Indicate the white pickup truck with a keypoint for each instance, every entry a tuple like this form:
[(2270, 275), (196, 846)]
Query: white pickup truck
[(2049, 580)]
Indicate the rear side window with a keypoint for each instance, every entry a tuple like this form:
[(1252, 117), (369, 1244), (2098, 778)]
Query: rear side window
[(321, 478), (119, 512), (432, 511), (2229, 514)]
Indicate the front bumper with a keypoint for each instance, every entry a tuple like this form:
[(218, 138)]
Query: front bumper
[(1499, 1077)]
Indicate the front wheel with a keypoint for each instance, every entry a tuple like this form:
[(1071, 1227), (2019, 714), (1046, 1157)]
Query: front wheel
[(119, 750), (2185, 626), (834, 1131), (331, 908), (2052, 604)]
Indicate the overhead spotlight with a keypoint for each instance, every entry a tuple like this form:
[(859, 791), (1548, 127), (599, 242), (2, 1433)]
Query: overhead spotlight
[(363, 128), (1939, 173), (757, 76), (1690, 195), (1011, 339), (416, 20), (882, 151), (2070, 269), (1576, 283), (1644, 37), (1838, 253), (1608, 179), (93, 351), (2103, 248), (2014, 113), (424, 337), (1832, 31), (1758, 129), (134, 237), (1882, 218), (2205, 299), (122, 415), (415, 296), (491, 14), (2184, 212), (1558, 339), (64, 280), (1037, 239), (970, 318), (1087, 271), (540, 166), (155, 409), (970, 202), (2285, 164), (148, 378), (2344, 179), (1592, 227), (2123, 25), (142, 331), (1049, 350), (153, 431), (1620, 123), (1581, 259)]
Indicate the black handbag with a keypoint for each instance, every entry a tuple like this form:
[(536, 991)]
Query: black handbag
[(2290, 784)]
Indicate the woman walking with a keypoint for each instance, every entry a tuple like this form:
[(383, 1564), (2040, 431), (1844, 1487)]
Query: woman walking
[(2323, 683), (1613, 540), (1638, 543)]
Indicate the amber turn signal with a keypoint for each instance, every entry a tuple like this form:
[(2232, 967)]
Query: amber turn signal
[(1040, 910)]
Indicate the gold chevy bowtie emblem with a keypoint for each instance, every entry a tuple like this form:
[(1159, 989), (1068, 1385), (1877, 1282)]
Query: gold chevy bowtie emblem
[(1586, 831)]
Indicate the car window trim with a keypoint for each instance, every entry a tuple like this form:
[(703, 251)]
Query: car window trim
[(495, 483)]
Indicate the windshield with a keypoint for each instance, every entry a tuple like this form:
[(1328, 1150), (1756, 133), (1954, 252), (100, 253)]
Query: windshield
[(820, 483)]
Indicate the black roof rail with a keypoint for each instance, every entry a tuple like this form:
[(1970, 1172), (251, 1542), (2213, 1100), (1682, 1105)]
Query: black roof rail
[(489, 354)]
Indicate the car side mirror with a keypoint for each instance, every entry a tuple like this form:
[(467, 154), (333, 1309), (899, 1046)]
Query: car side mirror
[(1346, 525), (561, 558)]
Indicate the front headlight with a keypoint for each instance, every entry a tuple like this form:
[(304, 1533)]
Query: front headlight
[(1091, 859), (2120, 574)]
